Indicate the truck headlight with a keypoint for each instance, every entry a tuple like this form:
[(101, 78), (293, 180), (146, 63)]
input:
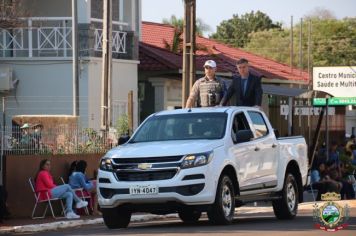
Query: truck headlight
[(106, 164), (195, 160)]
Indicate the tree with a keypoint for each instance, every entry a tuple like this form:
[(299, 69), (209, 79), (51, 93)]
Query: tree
[(176, 45), (333, 43), (122, 125), (273, 43), (10, 10), (236, 31), (320, 13), (200, 28)]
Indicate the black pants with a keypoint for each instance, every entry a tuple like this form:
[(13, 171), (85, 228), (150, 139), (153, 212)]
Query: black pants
[(3, 210), (347, 190)]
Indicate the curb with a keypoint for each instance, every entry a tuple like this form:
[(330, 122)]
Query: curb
[(142, 218), (64, 224)]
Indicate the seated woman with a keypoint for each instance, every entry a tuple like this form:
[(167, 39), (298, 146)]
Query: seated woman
[(78, 179), (44, 184)]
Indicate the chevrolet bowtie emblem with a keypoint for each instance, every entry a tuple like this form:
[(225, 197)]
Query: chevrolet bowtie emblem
[(144, 166)]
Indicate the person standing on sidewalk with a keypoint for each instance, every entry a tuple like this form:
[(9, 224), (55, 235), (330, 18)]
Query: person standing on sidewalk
[(247, 87), (209, 89), (44, 184)]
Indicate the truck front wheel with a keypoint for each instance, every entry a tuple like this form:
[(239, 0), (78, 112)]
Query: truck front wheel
[(223, 209), (115, 218), (287, 206)]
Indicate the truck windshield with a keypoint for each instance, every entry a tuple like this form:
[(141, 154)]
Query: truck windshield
[(182, 127)]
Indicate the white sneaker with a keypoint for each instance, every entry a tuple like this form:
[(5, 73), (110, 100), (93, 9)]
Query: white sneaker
[(81, 204), (72, 215)]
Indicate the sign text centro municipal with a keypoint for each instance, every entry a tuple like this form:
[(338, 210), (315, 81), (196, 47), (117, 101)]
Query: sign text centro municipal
[(338, 81)]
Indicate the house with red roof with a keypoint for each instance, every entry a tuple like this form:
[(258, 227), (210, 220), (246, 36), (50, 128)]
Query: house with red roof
[(155, 56), (160, 74)]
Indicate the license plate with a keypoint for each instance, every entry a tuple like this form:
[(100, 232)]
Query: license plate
[(143, 190)]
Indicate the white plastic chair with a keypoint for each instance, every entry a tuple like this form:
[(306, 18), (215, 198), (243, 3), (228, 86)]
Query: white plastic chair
[(48, 201)]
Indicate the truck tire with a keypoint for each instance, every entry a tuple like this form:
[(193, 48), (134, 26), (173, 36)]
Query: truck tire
[(189, 215), (223, 209), (115, 218), (287, 207)]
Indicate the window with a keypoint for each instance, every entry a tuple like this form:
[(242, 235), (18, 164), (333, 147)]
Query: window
[(182, 127), (258, 123), (239, 123)]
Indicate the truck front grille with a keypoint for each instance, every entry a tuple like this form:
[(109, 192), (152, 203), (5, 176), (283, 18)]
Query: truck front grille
[(146, 175), (147, 159)]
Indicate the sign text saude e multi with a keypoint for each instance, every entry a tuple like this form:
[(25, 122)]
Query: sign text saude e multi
[(336, 84), (339, 81)]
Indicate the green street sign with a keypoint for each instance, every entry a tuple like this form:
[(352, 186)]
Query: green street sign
[(336, 101), (319, 101)]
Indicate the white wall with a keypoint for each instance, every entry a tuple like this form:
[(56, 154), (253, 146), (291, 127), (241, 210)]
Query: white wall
[(350, 120), (45, 87), (174, 94), (47, 7), (56, 8), (124, 79), (84, 10)]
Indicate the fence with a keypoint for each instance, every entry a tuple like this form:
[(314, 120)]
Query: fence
[(55, 140), (52, 37), (61, 105)]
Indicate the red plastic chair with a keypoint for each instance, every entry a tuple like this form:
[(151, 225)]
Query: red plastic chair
[(82, 194)]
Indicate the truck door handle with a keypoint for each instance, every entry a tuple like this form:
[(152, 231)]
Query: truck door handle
[(257, 149), (274, 145)]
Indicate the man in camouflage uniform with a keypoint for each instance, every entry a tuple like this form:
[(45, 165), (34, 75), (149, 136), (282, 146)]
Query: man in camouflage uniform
[(208, 89)]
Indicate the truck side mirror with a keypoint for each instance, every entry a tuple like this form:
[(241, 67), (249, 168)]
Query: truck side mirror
[(244, 135), (276, 133), (123, 139)]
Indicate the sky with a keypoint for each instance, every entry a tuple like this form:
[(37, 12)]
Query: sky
[(214, 12)]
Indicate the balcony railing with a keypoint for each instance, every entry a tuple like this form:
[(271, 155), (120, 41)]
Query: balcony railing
[(55, 40), (118, 41)]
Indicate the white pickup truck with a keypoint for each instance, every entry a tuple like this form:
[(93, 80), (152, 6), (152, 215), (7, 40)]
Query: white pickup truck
[(198, 160)]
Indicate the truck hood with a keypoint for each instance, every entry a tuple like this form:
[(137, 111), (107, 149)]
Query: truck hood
[(164, 148)]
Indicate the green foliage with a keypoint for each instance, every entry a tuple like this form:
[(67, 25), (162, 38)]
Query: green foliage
[(333, 43), (122, 125), (347, 162), (236, 31), (176, 45), (273, 43), (175, 22), (178, 23)]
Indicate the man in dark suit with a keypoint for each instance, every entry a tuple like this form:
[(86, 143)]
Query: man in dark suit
[(246, 86)]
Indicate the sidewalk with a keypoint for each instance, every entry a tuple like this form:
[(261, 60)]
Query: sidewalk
[(38, 225)]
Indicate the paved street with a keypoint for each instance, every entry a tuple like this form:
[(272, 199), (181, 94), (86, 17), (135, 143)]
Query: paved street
[(244, 224)]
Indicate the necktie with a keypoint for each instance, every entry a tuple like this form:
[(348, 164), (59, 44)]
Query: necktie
[(244, 83)]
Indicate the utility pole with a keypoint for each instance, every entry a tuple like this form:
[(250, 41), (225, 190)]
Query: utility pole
[(75, 58), (301, 46), (2, 169), (106, 68), (291, 44), (310, 79), (188, 76)]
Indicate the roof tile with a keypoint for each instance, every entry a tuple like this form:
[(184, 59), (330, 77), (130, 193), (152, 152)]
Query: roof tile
[(155, 56)]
